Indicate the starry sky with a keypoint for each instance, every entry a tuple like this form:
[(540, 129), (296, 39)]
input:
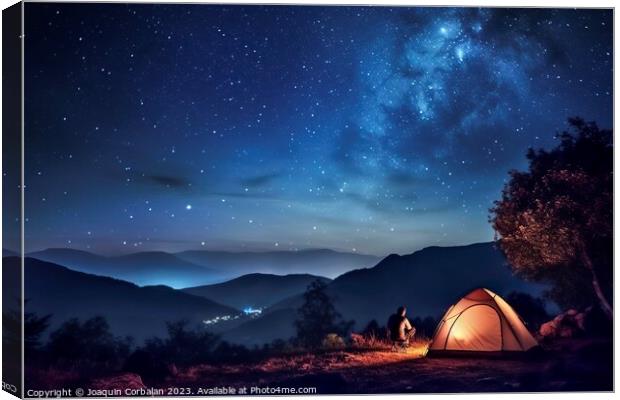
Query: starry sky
[(363, 129)]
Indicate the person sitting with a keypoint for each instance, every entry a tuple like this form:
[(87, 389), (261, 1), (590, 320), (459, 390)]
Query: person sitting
[(399, 329)]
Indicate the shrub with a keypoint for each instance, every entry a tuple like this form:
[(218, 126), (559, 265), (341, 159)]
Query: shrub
[(530, 309), (332, 341), (182, 346), (425, 328), (87, 346), (369, 341)]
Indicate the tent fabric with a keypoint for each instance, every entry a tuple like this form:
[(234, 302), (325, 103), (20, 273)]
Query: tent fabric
[(481, 322)]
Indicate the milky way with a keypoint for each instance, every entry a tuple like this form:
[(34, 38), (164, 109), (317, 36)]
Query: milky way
[(376, 130)]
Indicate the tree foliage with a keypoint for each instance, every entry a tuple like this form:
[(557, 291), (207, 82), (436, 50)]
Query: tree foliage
[(425, 327), (183, 346), (34, 326), (530, 309), (318, 317), (374, 329), (558, 214), (87, 345)]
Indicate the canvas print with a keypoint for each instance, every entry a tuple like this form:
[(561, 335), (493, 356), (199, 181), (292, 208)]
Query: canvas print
[(252, 199)]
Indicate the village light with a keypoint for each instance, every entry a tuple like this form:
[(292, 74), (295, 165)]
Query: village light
[(252, 311)]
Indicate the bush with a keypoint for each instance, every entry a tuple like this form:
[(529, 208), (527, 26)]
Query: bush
[(227, 352), (530, 309), (425, 328), (369, 341), (333, 342), (279, 346), (182, 346), (87, 347), (150, 367)]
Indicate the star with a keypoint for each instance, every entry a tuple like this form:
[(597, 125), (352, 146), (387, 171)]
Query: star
[(346, 139)]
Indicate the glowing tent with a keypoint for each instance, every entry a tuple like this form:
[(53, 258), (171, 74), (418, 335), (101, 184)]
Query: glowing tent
[(481, 322)]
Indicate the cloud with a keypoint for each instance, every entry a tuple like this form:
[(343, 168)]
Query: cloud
[(175, 182), (260, 180)]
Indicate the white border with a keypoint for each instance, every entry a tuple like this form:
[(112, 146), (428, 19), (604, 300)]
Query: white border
[(459, 3)]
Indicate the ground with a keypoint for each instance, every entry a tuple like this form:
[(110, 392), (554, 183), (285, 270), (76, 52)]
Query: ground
[(565, 365), (572, 365)]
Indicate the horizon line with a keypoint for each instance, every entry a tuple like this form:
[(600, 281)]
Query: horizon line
[(300, 250)]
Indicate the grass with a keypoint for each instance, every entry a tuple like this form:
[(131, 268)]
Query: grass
[(366, 353)]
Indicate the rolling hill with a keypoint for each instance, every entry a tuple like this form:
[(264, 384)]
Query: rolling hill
[(255, 290), (194, 268), (321, 262), (278, 324), (144, 268), (140, 312), (9, 253), (427, 282)]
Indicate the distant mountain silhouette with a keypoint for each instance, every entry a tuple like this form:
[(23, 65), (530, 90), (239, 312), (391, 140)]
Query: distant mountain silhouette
[(144, 268), (140, 312), (193, 268), (255, 290), (9, 253), (256, 332), (322, 262), (427, 282)]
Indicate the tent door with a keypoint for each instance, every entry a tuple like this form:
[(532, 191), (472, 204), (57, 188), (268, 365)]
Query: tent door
[(478, 328)]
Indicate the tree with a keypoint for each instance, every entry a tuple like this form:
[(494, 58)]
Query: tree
[(373, 330), (425, 327), (318, 317), (34, 326), (87, 346), (183, 346), (530, 309), (558, 214), (12, 339)]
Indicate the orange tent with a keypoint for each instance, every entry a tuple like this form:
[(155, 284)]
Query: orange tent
[(481, 322)]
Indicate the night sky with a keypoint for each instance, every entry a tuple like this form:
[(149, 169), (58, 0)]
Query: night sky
[(375, 130)]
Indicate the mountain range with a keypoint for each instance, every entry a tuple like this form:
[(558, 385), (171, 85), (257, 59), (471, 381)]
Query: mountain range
[(427, 282), (321, 262), (194, 268), (9, 253), (258, 291), (131, 310), (145, 268)]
